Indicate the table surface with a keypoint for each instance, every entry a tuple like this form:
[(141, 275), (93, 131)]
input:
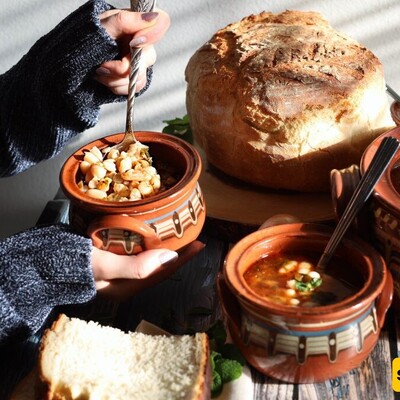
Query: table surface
[(188, 302)]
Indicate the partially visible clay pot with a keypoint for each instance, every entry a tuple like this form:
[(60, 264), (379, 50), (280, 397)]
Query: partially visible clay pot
[(305, 344), (380, 218), (171, 219), (395, 112)]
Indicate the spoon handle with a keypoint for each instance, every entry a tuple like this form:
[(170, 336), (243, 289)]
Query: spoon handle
[(386, 151), (393, 93), (136, 53)]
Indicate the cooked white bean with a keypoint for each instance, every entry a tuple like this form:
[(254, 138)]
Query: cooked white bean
[(124, 164), (98, 171), (92, 184), (132, 175), (314, 275), (135, 194), (155, 181), (305, 265), (122, 176), (97, 153), (121, 189), (113, 154), (150, 170), (104, 184), (85, 166), (109, 165), (294, 302), (290, 265), (96, 194), (145, 188), (90, 158), (290, 292), (291, 284)]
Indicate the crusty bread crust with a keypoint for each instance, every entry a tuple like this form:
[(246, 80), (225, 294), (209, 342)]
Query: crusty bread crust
[(202, 387), (46, 387), (280, 100)]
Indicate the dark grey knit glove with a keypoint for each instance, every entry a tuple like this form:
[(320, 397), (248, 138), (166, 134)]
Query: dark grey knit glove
[(39, 269), (50, 95)]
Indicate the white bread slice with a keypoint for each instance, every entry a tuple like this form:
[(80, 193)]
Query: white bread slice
[(84, 360)]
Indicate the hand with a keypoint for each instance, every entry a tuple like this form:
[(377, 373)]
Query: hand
[(129, 28), (120, 277)]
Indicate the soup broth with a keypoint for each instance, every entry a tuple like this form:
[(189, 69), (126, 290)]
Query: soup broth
[(293, 280)]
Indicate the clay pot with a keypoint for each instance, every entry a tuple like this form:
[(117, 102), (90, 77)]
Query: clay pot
[(171, 219), (380, 219), (304, 344), (395, 112)]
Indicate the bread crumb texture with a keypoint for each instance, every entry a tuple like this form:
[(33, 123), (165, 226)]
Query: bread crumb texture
[(274, 93), (83, 360)]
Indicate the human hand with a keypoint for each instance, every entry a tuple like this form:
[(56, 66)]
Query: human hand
[(134, 29), (120, 277)]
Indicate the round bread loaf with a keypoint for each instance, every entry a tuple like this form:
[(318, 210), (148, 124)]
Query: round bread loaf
[(279, 100)]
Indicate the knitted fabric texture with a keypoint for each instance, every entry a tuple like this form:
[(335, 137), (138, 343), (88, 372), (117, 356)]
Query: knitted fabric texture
[(39, 269), (46, 99), (51, 94)]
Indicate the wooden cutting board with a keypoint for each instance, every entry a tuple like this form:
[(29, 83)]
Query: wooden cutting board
[(228, 199)]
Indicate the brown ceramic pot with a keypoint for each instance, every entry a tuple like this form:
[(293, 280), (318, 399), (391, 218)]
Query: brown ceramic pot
[(395, 112), (171, 219), (380, 218), (304, 344)]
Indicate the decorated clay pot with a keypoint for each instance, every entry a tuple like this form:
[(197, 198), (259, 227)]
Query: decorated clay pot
[(379, 221), (305, 344), (395, 112), (170, 219)]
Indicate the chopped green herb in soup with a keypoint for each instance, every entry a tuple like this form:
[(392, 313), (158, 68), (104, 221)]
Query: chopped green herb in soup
[(293, 280)]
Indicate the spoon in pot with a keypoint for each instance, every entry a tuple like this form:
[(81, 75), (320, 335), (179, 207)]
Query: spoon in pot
[(136, 53), (384, 154), (393, 93)]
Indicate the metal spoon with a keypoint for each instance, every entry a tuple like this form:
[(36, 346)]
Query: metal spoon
[(393, 93), (384, 154), (136, 53)]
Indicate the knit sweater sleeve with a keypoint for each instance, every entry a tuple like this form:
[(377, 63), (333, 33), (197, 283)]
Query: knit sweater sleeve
[(50, 95), (41, 268)]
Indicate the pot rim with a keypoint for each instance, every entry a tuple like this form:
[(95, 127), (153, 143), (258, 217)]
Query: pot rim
[(70, 170), (384, 189), (235, 281), (395, 112)]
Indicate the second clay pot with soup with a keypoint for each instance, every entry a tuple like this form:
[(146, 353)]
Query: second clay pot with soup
[(171, 219), (311, 339)]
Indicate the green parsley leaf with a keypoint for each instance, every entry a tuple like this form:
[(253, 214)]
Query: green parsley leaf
[(229, 370), (179, 127), (216, 385)]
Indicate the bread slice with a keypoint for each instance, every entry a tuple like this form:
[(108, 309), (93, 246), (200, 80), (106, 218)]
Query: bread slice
[(84, 360)]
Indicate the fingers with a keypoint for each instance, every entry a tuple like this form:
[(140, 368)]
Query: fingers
[(149, 27), (131, 29), (115, 74), (108, 266), (149, 268)]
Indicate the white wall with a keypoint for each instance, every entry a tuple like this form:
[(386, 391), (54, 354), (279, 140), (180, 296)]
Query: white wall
[(375, 23)]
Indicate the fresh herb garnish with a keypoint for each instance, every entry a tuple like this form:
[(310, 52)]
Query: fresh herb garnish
[(226, 359), (307, 285), (179, 127)]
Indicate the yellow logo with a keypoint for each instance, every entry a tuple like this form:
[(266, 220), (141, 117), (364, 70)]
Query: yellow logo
[(396, 374)]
